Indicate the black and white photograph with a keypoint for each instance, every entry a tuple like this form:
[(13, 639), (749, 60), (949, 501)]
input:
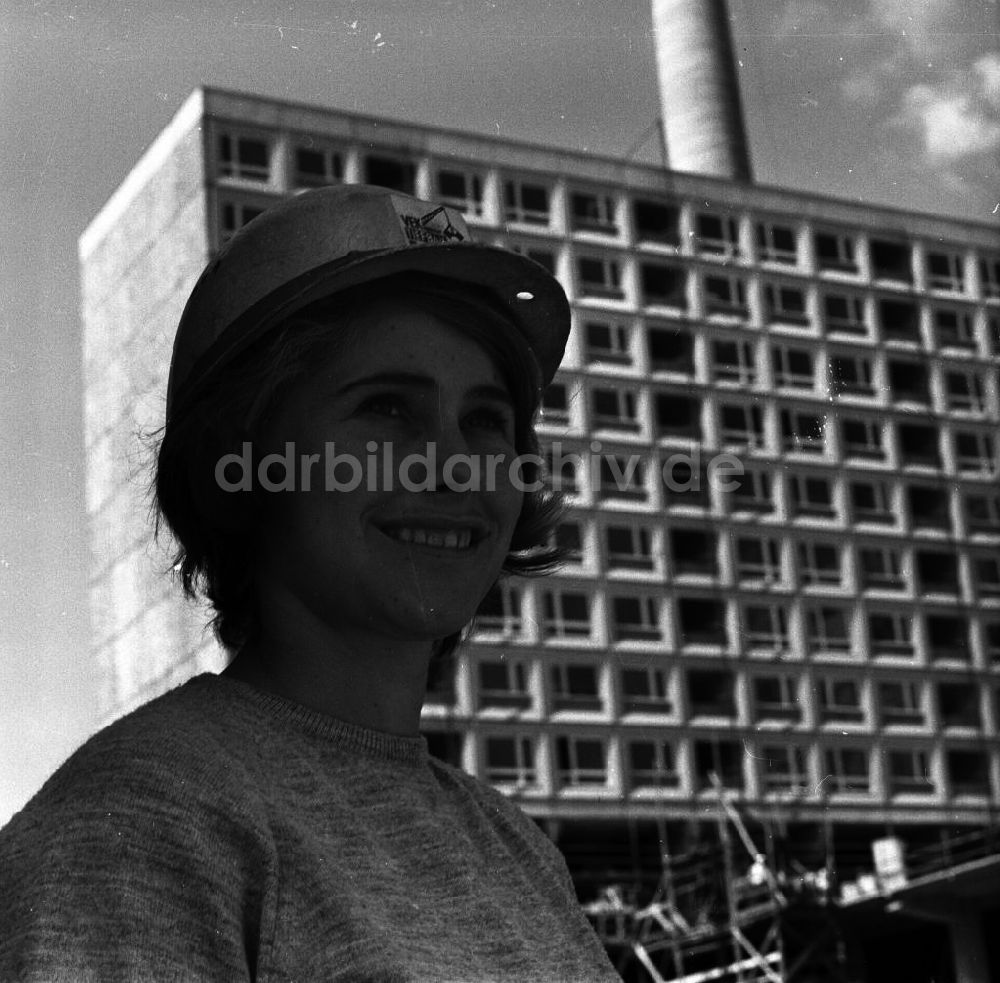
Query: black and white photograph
[(500, 491)]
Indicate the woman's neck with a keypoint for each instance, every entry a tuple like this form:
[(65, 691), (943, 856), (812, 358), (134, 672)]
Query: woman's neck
[(372, 682)]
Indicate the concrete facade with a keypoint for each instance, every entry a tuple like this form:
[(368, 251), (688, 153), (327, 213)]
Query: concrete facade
[(139, 260)]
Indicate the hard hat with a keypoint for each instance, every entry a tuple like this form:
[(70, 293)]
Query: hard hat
[(321, 242)]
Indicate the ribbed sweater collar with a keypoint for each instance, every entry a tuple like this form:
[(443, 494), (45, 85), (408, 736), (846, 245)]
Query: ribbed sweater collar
[(286, 713)]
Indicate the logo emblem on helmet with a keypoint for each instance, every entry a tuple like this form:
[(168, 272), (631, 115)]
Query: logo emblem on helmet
[(434, 227)]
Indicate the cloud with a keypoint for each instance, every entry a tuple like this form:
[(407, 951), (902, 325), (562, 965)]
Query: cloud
[(875, 81), (918, 78), (952, 124), (987, 69), (959, 116), (912, 87), (914, 19)]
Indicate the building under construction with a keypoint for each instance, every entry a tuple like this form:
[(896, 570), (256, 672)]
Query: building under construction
[(733, 688), (724, 910)]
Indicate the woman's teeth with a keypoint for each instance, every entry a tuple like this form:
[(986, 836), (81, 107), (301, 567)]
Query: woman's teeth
[(460, 540)]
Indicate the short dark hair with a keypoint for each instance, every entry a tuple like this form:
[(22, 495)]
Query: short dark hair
[(232, 405)]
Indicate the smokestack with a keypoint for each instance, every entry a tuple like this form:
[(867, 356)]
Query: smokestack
[(699, 94)]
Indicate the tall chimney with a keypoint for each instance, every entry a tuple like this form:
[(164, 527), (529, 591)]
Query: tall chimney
[(699, 94)]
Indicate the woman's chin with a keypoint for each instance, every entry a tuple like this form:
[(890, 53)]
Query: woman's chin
[(438, 624)]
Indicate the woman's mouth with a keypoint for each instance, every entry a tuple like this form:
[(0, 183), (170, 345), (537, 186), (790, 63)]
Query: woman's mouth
[(453, 539), (454, 535)]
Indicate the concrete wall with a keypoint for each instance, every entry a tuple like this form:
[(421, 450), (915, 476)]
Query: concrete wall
[(137, 266)]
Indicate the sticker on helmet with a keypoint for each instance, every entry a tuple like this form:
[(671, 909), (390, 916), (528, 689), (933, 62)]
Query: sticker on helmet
[(430, 228)]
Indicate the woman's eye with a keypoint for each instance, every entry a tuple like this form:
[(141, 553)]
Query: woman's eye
[(383, 406), (487, 419)]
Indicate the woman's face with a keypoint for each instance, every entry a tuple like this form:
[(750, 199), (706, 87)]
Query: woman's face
[(359, 550)]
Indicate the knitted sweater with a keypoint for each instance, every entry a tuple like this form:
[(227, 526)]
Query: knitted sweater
[(221, 833)]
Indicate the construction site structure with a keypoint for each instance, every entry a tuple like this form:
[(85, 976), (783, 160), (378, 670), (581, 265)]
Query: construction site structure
[(726, 912)]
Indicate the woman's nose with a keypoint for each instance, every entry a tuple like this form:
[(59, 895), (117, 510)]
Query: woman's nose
[(454, 461)]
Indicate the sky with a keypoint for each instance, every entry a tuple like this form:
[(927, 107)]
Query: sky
[(895, 102)]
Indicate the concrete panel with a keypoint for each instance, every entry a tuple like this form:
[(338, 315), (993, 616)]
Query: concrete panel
[(106, 397), (177, 182), (118, 454)]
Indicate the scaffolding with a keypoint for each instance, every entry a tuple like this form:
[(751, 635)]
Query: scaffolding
[(726, 913)]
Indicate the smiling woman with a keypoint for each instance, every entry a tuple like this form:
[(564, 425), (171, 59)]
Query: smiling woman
[(283, 820), (367, 588), (333, 357)]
